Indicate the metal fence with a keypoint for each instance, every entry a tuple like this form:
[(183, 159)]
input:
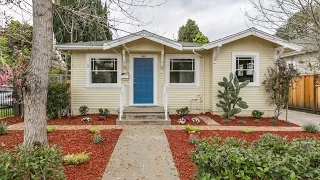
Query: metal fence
[(6, 102), (59, 78)]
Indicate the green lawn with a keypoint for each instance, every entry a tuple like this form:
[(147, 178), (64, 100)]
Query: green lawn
[(5, 112)]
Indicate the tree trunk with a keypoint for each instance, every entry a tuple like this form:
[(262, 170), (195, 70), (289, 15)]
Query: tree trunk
[(37, 77)]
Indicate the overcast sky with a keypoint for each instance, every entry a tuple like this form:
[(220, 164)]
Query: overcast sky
[(216, 18)]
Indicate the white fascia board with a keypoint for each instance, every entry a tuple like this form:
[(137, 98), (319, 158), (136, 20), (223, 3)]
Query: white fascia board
[(293, 53), (192, 48), (72, 47)]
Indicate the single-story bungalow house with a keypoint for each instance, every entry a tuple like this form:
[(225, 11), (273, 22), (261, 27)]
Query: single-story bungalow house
[(147, 73)]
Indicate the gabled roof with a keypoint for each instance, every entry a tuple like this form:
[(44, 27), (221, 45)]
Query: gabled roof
[(254, 32), (143, 34)]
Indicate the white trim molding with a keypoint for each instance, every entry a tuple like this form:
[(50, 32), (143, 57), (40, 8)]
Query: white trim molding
[(88, 70), (256, 72), (155, 79), (196, 58)]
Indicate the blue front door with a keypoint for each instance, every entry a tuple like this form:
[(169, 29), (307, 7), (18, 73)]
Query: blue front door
[(143, 81)]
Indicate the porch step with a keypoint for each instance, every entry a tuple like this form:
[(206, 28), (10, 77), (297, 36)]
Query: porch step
[(143, 115)]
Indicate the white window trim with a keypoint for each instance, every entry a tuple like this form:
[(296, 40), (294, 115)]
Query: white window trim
[(256, 80), (155, 79), (197, 72), (89, 84)]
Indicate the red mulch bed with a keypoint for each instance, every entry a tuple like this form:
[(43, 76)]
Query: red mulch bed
[(175, 118), (250, 121), (12, 120), (75, 141), (178, 142), (111, 120)]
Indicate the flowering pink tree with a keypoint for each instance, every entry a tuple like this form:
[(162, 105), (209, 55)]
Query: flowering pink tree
[(10, 76)]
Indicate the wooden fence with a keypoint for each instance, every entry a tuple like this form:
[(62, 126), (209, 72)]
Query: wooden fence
[(305, 94)]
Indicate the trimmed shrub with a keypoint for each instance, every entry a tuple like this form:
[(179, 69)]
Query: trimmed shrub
[(270, 157), (36, 163), (103, 112), (83, 110), (76, 158), (50, 129), (256, 114), (311, 128), (3, 128), (97, 138), (58, 99), (93, 129)]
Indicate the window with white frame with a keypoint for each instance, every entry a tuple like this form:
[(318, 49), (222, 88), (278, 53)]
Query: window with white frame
[(104, 70), (182, 71), (246, 67)]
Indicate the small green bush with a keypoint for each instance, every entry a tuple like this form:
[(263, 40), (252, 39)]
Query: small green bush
[(183, 111), (36, 163), (3, 128), (58, 98), (243, 122), (93, 129), (270, 157), (273, 121), (256, 114), (83, 110), (76, 158), (226, 121), (311, 128), (50, 129), (189, 128), (247, 130), (97, 138), (103, 112)]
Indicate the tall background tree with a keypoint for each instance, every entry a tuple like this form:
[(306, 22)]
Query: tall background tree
[(69, 28), (191, 33)]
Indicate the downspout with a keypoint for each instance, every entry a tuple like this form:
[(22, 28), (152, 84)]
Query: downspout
[(203, 78)]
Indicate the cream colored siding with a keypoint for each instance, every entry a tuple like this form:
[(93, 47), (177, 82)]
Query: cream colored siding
[(256, 97), (303, 61)]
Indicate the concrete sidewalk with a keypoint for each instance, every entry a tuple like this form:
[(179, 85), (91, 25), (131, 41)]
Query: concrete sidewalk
[(301, 118), (141, 153)]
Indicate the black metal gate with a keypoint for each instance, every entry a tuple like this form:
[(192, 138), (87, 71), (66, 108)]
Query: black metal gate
[(6, 102)]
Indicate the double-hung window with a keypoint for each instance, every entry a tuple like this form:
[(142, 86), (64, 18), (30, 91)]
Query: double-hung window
[(182, 70), (103, 70), (246, 67)]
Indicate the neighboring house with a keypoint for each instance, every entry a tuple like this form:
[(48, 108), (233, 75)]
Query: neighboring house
[(143, 68), (307, 60)]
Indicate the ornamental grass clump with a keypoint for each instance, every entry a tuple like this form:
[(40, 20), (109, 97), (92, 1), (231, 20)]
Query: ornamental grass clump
[(76, 158), (269, 157), (3, 128), (97, 138), (93, 130), (50, 129), (311, 128)]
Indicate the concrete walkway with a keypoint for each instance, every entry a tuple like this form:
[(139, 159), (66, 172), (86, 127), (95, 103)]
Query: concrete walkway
[(141, 153), (301, 118)]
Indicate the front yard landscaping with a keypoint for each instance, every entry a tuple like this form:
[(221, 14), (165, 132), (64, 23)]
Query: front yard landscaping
[(77, 120), (75, 141), (175, 120), (12, 120), (180, 147)]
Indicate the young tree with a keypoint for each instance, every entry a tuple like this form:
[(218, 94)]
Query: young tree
[(191, 33), (278, 82), (201, 38)]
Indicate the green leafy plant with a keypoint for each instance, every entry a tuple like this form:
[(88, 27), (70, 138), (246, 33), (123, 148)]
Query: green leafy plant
[(311, 128), (256, 114), (183, 111), (273, 121), (97, 138), (103, 112), (83, 110), (36, 163), (76, 158), (231, 97), (93, 129), (189, 128), (247, 130), (226, 121), (58, 99), (3, 128), (50, 129), (269, 157), (243, 122), (193, 140)]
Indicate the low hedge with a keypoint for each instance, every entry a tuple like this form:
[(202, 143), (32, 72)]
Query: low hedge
[(36, 163), (270, 157)]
